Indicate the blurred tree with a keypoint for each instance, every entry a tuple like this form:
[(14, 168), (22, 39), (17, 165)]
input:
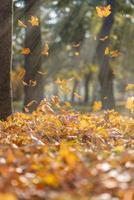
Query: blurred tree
[(6, 12), (75, 21), (33, 61), (105, 71)]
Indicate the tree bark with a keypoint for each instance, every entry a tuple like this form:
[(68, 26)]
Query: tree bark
[(33, 61), (5, 58), (106, 73)]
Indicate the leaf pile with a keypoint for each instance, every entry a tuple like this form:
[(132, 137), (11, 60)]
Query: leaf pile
[(58, 154)]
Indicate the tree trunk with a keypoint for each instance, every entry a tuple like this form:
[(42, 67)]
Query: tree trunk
[(33, 62), (5, 58), (105, 73), (106, 83), (86, 87)]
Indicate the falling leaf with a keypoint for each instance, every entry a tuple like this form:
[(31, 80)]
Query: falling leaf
[(21, 24), (24, 83), (63, 84), (114, 54), (34, 21), (97, 106), (45, 51), (103, 11), (26, 109), (104, 38), (25, 51), (42, 73), (31, 103), (32, 83), (107, 51), (76, 45)]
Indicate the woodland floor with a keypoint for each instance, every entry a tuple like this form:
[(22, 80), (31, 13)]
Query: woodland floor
[(66, 155)]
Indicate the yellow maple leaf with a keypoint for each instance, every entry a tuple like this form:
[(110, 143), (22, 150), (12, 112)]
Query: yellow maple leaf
[(103, 11), (34, 21), (25, 51)]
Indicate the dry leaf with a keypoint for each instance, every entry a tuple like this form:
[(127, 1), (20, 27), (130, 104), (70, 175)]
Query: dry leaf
[(34, 21), (103, 11), (104, 38), (25, 51), (97, 106), (21, 24), (45, 51)]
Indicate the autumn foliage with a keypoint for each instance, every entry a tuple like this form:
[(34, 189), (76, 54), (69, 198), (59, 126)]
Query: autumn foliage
[(58, 153)]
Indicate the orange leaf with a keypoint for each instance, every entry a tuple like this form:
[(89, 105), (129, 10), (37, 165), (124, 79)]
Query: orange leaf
[(26, 51), (97, 106), (103, 11), (34, 21), (32, 83)]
